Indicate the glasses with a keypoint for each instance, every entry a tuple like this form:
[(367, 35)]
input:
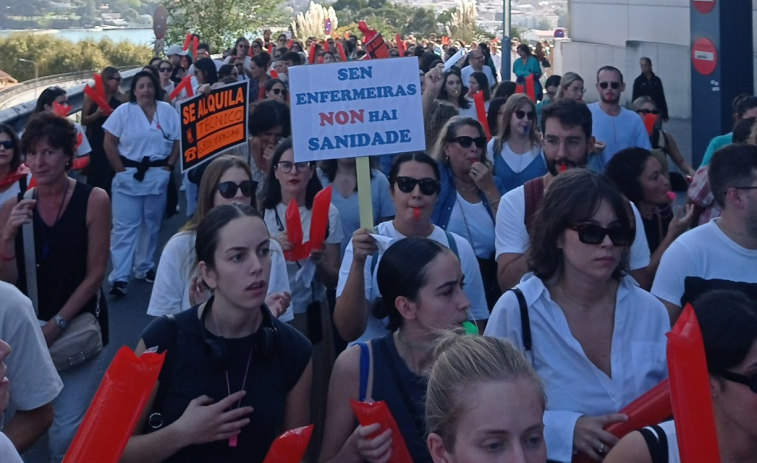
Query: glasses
[(7, 144), (649, 111), (276, 91), (572, 144), (466, 142), (429, 186), (229, 189), (614, 85), (165, 69), (521, 114), (286, 166), (750, 381), (590, 233)]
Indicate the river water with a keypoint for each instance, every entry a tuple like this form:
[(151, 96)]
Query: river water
[(137, 36)]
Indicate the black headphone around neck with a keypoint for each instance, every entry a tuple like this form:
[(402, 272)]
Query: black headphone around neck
[(265, 343)]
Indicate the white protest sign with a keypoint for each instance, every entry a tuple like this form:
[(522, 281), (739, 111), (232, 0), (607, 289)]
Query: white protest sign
[(353, 109)]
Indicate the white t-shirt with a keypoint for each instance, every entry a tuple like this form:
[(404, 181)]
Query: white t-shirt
[(302, 294), (516, 162), (468, 112), (34, 381), (573, 384), (473, 222), (626, 130), (170, 292), (705, 253), (474, 287), (8, 453), (512, 236), (468, 70), (14, 190)]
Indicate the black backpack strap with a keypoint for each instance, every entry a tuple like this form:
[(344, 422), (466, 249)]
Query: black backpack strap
[(657, 445), (155, 419), (525, 321)]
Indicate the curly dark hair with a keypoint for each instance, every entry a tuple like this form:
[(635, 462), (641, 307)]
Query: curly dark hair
[(625, 169), (573, 197)]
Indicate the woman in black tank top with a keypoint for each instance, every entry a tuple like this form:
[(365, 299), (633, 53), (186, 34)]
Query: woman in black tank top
[(71, 225), (421, 285)]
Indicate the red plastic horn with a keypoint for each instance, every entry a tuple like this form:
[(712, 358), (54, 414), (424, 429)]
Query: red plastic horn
[(340, 50), (377, 412), (690, 391), (186, 84), (311, 54), (478, 98), (290, 447), (118, 404), (531, 87), (187, 41), (400, 45), (320, 218), (649, 122)]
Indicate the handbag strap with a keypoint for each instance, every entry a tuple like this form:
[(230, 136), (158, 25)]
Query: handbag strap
[(30, 258), (657, 445), (366, 372)]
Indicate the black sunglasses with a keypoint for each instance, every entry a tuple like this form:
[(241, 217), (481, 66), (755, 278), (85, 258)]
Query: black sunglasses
[(429, 186), (521, 114), (229, 189), (276, 91), (7, 144), (466, 142), (165, 69), (590, 233), (614, 85), (750, 381), (649, 111)]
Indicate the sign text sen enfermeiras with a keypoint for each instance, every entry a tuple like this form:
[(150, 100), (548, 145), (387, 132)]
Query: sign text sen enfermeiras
[(212, 124), (359, 108)]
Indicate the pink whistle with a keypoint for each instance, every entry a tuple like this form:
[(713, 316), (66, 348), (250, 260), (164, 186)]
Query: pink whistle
[(233, 440), (671, 195), (416, 213)]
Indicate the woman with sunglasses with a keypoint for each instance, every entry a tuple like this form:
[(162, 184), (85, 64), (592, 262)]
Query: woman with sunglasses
[(164, 71), (257, 47), (516, 150), (414, 182), (100, 173), (206, 74), (289, 180), (598, 339), (142, 144), (526, 66), (421, 285), (663, 143), (275, 89), (54, 100), (469, 194), (241, 51), (728, 322), (178, 284), (234, 376), (14, 175)]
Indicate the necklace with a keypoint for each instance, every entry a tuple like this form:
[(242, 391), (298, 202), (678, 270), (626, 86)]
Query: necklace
[(465, 220), (232, 439), (46, 237), (458, 181)]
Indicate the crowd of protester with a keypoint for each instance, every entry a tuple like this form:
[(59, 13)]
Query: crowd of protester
[(558, 240)]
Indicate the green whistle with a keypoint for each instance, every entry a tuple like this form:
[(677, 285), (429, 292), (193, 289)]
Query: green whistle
[(470, 328)]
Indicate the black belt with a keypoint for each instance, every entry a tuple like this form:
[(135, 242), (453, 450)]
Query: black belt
[(143, 165)]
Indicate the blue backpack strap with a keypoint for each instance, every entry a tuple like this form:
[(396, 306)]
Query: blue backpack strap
[(365, 368), (452, 243)]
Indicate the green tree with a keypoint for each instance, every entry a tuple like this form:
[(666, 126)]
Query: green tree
[(220, 22), (422, 22), (544, 25)]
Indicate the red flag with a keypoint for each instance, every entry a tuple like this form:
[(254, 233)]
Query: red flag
[(530, 87), (478, 98), (311, 53), (400, 45), (116, 408), (690, 391)]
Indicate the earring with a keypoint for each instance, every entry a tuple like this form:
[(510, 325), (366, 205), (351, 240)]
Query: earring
[(69, 163)]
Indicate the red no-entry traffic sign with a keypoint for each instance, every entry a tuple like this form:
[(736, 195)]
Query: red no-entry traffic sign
[(704, 6), (704, 56)]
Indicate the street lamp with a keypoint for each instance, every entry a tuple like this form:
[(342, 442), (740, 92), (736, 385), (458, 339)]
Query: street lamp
[(36, 72), (506, 41)]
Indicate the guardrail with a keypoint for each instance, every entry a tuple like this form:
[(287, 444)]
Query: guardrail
[(46, 81), (18, 115)]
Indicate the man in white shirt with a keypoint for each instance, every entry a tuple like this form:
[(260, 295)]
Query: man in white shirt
[(613, 125), (477, 64), (721, 254), (34, 382), (8, 453), (567, 141), (497, 58)]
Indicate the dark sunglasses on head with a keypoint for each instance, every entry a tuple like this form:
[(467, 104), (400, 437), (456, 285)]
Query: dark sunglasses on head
[(614, 85), (276, 91), (229, 189), (750, 381), (466, 142), (521, 114), (590, 233), (7, 144), (429, 186), (649, 111)]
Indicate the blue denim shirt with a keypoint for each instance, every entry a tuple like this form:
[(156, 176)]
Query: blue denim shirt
[(443, 208)]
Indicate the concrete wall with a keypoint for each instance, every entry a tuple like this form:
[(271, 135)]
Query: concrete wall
[(619, 32)]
